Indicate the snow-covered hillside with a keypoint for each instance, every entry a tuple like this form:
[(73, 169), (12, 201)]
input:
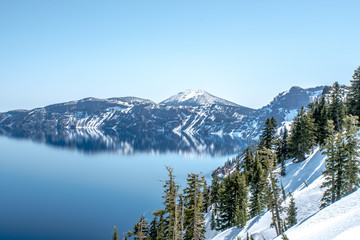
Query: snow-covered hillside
[(338, 221), (191, 112), (196, 98)]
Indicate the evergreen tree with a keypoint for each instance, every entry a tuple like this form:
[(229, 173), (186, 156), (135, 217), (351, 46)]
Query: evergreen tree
[(319, 114), (331, 151), (302, 136), (352, 154), (267, 136), (353, 98), (274, 202), (171, 208), (141, 229), (161, 224), (291, 214), (213, 224), (337, 107), (241, 195), (283, 191), (115, 235), (257, 189), (342, 163), (194, 218), (214, 193), (248, 163), (283, 152), (206, 198), (153, 232)]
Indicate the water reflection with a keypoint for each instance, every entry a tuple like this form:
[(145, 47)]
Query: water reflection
[(94, 140)]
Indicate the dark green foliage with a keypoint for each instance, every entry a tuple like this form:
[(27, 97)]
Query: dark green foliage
[(337, 106), (215, 187), (283, 151), (283, 192), (161, 225), (352, 164), (141, 229), (353, 98), (233, 201), (274, 202), (194, 218), (267, 136), (206, 198), (302, 137), (115, 235), (248, 163), (170, 202), (213, 221), (257, 189), (153, 230), (291, 214), (342, 163), (319, 113)]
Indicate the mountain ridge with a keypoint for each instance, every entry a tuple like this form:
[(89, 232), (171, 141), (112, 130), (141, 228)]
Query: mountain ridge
[(210, 114)]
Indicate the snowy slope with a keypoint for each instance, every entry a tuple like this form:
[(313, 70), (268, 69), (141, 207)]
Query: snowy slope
[(337, 221), (307, 199), (196, 98), (191, 112)]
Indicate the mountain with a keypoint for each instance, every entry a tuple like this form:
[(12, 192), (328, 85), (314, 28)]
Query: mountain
[(191, 112), (198, 98)]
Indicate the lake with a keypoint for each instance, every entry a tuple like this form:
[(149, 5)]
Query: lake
[(76, 190)]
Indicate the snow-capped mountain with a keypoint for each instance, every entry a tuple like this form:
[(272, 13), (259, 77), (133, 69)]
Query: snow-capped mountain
[(191, 112), (197, 98)]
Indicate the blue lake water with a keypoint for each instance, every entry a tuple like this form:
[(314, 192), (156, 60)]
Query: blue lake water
[(48, 192)]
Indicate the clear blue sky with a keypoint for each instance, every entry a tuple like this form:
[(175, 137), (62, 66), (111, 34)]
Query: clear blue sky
[(244, 51)]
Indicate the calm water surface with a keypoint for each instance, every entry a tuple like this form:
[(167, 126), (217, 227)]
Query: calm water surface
[(55, 193)]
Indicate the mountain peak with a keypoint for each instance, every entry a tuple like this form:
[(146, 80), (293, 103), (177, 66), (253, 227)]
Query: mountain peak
[(196, 98)]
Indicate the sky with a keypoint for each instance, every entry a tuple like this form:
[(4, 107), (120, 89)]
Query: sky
[(244, 51)]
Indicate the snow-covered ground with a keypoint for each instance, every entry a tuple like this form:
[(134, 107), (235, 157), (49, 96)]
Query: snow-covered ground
[(303, 180)]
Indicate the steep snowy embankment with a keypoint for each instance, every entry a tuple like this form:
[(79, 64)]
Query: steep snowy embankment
[(338, 221), (303, 180)]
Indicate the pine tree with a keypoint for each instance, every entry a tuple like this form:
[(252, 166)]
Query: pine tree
[(283, 152), (331, 151), (213, 221), (319, 114), (241, 195), (206, 198), (291, 213), (283, 191), (214, 193), (194, 218), (353, 98), (352, 162), (337, 107), (153, 230), (302, 136), (342, 163), (171, 208), (274, 202), (233, 201), (267, 136), (115, 235), (141, 229), (257, 189), (161, 224), (248, 163)]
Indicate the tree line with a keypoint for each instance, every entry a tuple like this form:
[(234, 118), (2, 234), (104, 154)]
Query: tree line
[(330, 122)]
